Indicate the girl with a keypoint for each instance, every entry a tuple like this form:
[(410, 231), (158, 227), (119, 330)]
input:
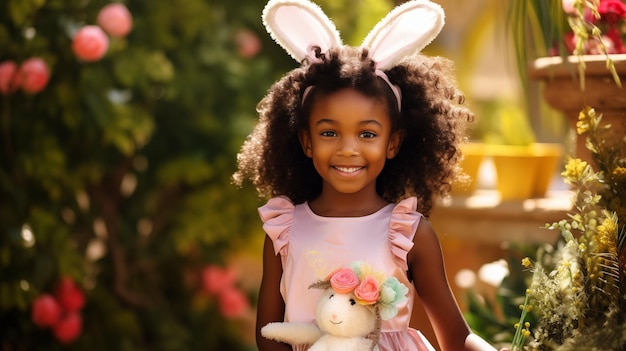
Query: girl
[(353, 148)]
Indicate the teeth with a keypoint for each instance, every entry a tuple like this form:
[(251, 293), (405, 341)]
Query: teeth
[(348, 169)]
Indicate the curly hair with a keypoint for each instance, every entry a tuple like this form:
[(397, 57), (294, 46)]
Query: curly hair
[(432, 120)]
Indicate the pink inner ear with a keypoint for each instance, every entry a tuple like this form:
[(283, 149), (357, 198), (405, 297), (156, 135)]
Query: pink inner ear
[(297, 27), (408, 34)]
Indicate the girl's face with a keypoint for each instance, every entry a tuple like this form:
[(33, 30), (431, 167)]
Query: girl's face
[(349, 140)]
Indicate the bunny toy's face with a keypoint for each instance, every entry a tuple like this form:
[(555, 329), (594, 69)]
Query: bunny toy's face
[(340, 315)]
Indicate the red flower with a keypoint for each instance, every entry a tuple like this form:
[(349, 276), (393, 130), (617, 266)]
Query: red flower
[(233, 303), (68, 328), (33, 75), (46, 311), (115, 19), (8, 77), (612, 11), (70, 296), (90, 43), (216, 279)]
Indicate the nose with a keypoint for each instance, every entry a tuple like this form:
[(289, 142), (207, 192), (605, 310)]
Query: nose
[(348, 147)]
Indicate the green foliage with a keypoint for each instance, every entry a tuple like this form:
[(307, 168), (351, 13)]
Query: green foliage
[(131, 154)]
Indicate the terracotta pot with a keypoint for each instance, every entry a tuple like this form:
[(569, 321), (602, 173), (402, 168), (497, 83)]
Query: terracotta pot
[(562, 91)]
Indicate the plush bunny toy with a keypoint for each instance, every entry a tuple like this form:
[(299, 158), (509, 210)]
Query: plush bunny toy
[(348, 313)]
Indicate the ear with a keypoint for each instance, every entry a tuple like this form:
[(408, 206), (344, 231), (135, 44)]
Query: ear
[(394, 144), (406, 30), (305, 141), (297, 25)]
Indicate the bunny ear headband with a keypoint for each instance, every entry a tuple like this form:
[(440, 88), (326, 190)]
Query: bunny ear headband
[(300, 26)]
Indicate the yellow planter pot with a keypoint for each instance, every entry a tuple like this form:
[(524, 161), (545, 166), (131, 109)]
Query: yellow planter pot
[(524, 172), (473, 155)]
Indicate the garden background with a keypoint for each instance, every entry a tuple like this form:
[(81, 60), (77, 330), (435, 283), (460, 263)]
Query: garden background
[(120, 228)]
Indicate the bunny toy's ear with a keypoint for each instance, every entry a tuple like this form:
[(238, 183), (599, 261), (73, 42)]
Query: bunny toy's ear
[(406, 30), (298, 25)]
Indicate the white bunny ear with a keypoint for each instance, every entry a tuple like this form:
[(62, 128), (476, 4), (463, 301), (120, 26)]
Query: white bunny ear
[(407, 29), (297, 25)]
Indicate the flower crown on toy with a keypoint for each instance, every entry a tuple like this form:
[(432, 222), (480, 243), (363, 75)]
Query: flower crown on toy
[(305, 32), (368, 286)]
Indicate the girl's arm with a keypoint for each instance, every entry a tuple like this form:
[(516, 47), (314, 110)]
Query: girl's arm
[(271, 307), (426, 267)]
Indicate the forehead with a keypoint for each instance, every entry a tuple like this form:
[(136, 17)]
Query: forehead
[(349, 102)]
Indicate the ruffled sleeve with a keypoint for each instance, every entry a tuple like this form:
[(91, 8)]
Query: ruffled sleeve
[(402, 227), (277, 217)]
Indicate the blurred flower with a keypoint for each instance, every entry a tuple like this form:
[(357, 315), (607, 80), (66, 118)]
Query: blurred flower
[(69, 295), (115, 20), (45, 311), (216, 279), (248, 43), (68, 328), (33, 75), (588, 21), (233, 303), (8, 76), (90, 43)]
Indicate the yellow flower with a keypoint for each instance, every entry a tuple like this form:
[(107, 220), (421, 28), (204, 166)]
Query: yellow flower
[(587, 120), (619, 174), (574, 169), (526, 262), (606, 234)]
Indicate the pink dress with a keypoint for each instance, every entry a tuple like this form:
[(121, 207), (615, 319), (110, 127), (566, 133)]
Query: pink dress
[(312, 246)]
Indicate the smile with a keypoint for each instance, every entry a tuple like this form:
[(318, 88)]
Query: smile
[(336, 322), (348, 169)]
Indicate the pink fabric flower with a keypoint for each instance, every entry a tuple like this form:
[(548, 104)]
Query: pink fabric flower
[(344, 280), (8, 77), (215, 279), (90, 43), (233, 303), (368, 291), (33, 75), (115, 19)]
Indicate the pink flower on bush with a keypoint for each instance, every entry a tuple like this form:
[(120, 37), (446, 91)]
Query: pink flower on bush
[(90, 43), (215, 279), (612, 11), (115, 20), (68, 328), (46, 311), (8, 77), (344, 280), (248, 43), (368, 291), (33, 75), (568, 6), (233, 303)]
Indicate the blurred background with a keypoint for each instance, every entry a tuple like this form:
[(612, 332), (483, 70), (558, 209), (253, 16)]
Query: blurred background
[(120, 228)]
